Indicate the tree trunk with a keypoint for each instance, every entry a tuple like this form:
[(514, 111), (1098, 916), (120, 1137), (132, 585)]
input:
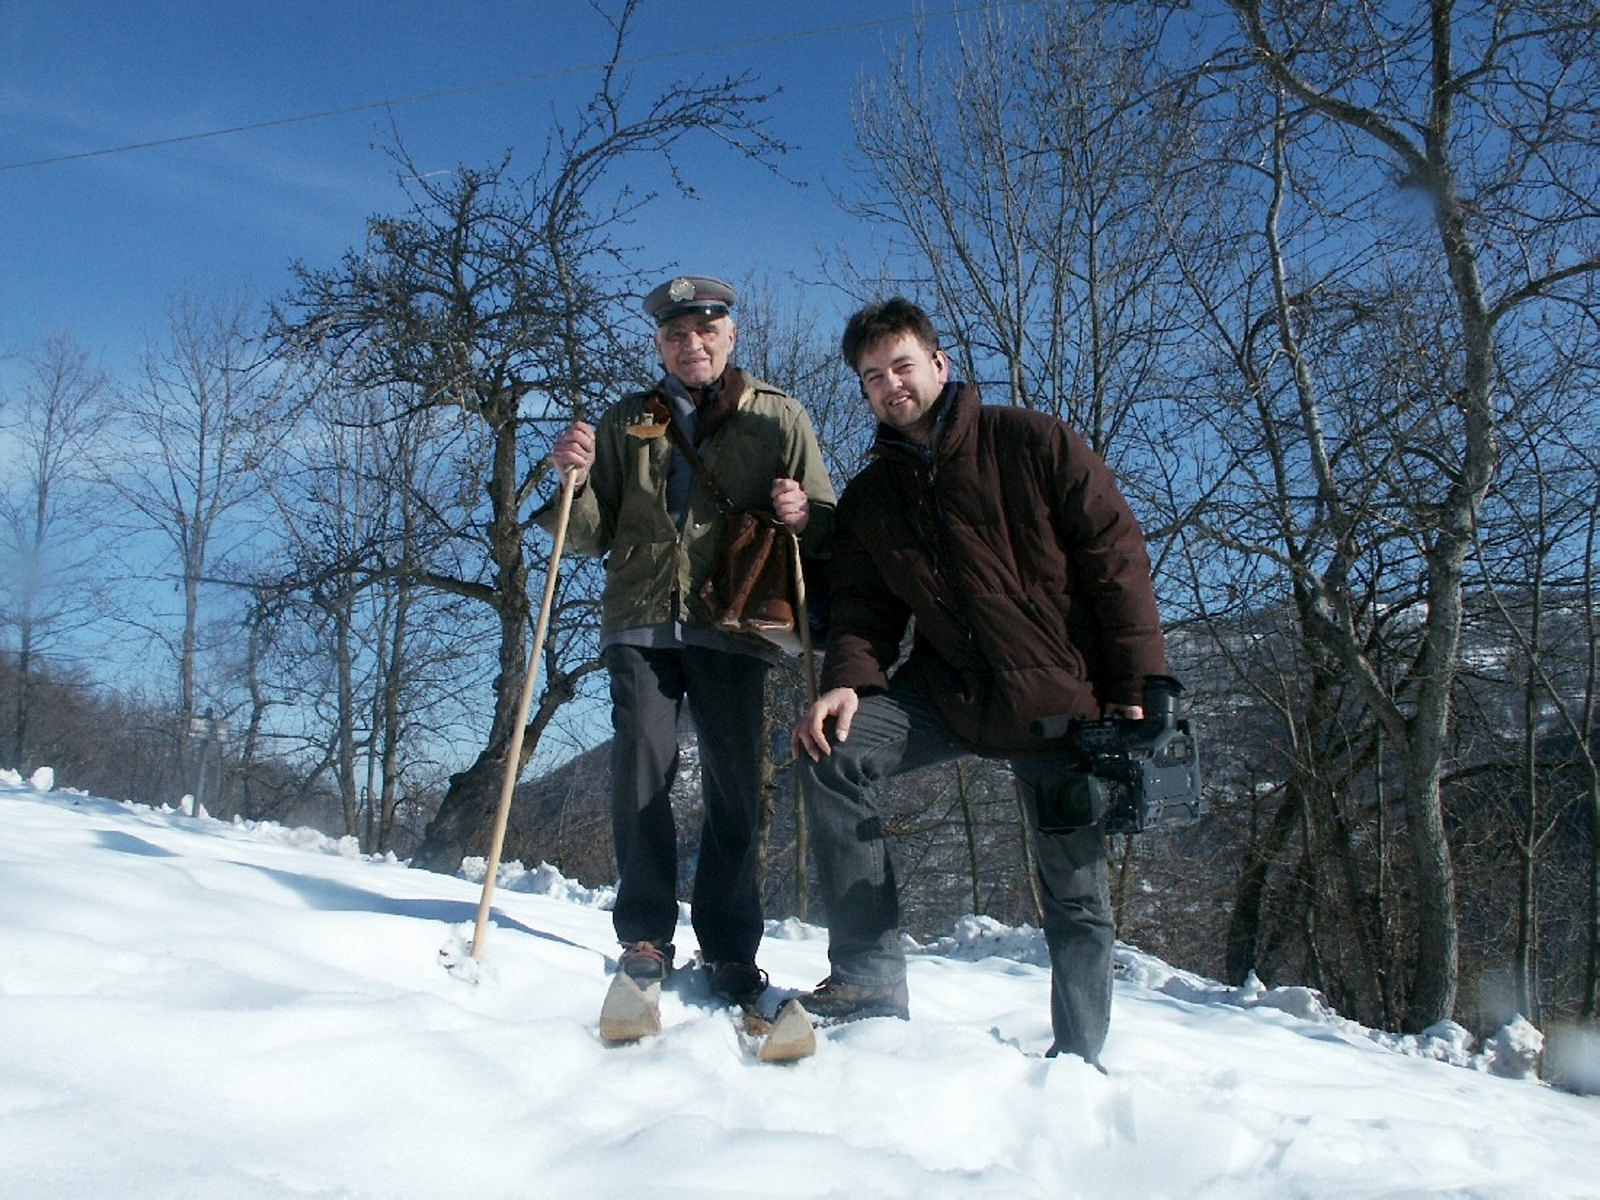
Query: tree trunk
[(464, 824), (1244, 923), (1433, 981), (1591, 984)]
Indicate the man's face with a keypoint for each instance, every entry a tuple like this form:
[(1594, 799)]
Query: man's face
[(902, 379), (695, 347)]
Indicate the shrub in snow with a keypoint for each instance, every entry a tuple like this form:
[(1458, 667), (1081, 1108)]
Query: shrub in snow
[(1513, 1050)]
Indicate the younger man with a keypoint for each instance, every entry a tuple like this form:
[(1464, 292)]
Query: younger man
[(1006, 539)]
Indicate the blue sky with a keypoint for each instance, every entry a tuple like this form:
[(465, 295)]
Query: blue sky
[(98, 243)]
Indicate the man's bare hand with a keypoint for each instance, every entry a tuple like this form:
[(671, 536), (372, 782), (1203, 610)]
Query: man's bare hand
[(574, 452), (791, 504), (838, 705)]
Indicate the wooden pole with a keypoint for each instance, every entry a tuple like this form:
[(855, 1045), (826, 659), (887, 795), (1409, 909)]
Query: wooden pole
[(802, 618), (514, 750), (802, 827)]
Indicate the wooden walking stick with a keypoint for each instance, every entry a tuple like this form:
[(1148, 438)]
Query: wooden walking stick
[(802, 828), (514, 750), (802, 618)]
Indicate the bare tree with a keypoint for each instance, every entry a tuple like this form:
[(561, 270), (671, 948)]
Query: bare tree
[(1347, 467), (1486, 122), (1537, 558), (195, 429), (500, 300), (1009, 179), (48, 527), (355, 656)]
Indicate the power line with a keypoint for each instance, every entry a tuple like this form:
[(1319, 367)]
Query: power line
[(495, 85)]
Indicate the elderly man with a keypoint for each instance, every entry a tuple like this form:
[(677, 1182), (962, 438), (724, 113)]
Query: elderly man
[(1005, 538), (639, 503)]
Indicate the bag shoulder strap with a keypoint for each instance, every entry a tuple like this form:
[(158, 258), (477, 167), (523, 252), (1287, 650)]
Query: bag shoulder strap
[(663, 413)]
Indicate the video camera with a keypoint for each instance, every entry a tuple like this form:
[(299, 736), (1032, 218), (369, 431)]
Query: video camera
[(1146, 770)]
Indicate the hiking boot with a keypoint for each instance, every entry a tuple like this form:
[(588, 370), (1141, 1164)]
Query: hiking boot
[(645, 962), (834, 1001), (736, 982)]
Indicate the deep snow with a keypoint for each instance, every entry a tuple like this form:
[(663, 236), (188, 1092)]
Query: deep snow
[(200, 1009)]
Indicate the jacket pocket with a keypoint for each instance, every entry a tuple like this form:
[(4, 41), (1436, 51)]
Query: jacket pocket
[(1023, 632)]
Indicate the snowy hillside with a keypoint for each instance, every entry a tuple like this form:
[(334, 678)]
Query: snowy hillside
[(195, 1009)]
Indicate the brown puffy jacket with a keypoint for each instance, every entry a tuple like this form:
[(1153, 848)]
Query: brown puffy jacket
[(1014, 550)]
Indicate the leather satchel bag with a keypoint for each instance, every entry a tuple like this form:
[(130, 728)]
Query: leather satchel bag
[(751, 585), (755, 585)]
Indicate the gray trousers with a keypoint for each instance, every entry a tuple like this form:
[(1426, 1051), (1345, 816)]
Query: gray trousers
[(724, 691), (899, 731)]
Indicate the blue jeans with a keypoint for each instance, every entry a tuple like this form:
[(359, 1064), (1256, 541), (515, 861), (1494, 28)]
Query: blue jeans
[(898, 731), (724, 691)]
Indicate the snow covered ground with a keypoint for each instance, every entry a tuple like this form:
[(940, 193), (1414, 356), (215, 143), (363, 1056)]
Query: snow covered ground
[(190, 1008)]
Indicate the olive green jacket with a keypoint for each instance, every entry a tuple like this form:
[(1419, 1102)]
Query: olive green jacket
[(654, 570)]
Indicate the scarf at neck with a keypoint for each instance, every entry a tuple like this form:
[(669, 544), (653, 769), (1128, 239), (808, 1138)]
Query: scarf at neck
[(699, 413), (712, 406)]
